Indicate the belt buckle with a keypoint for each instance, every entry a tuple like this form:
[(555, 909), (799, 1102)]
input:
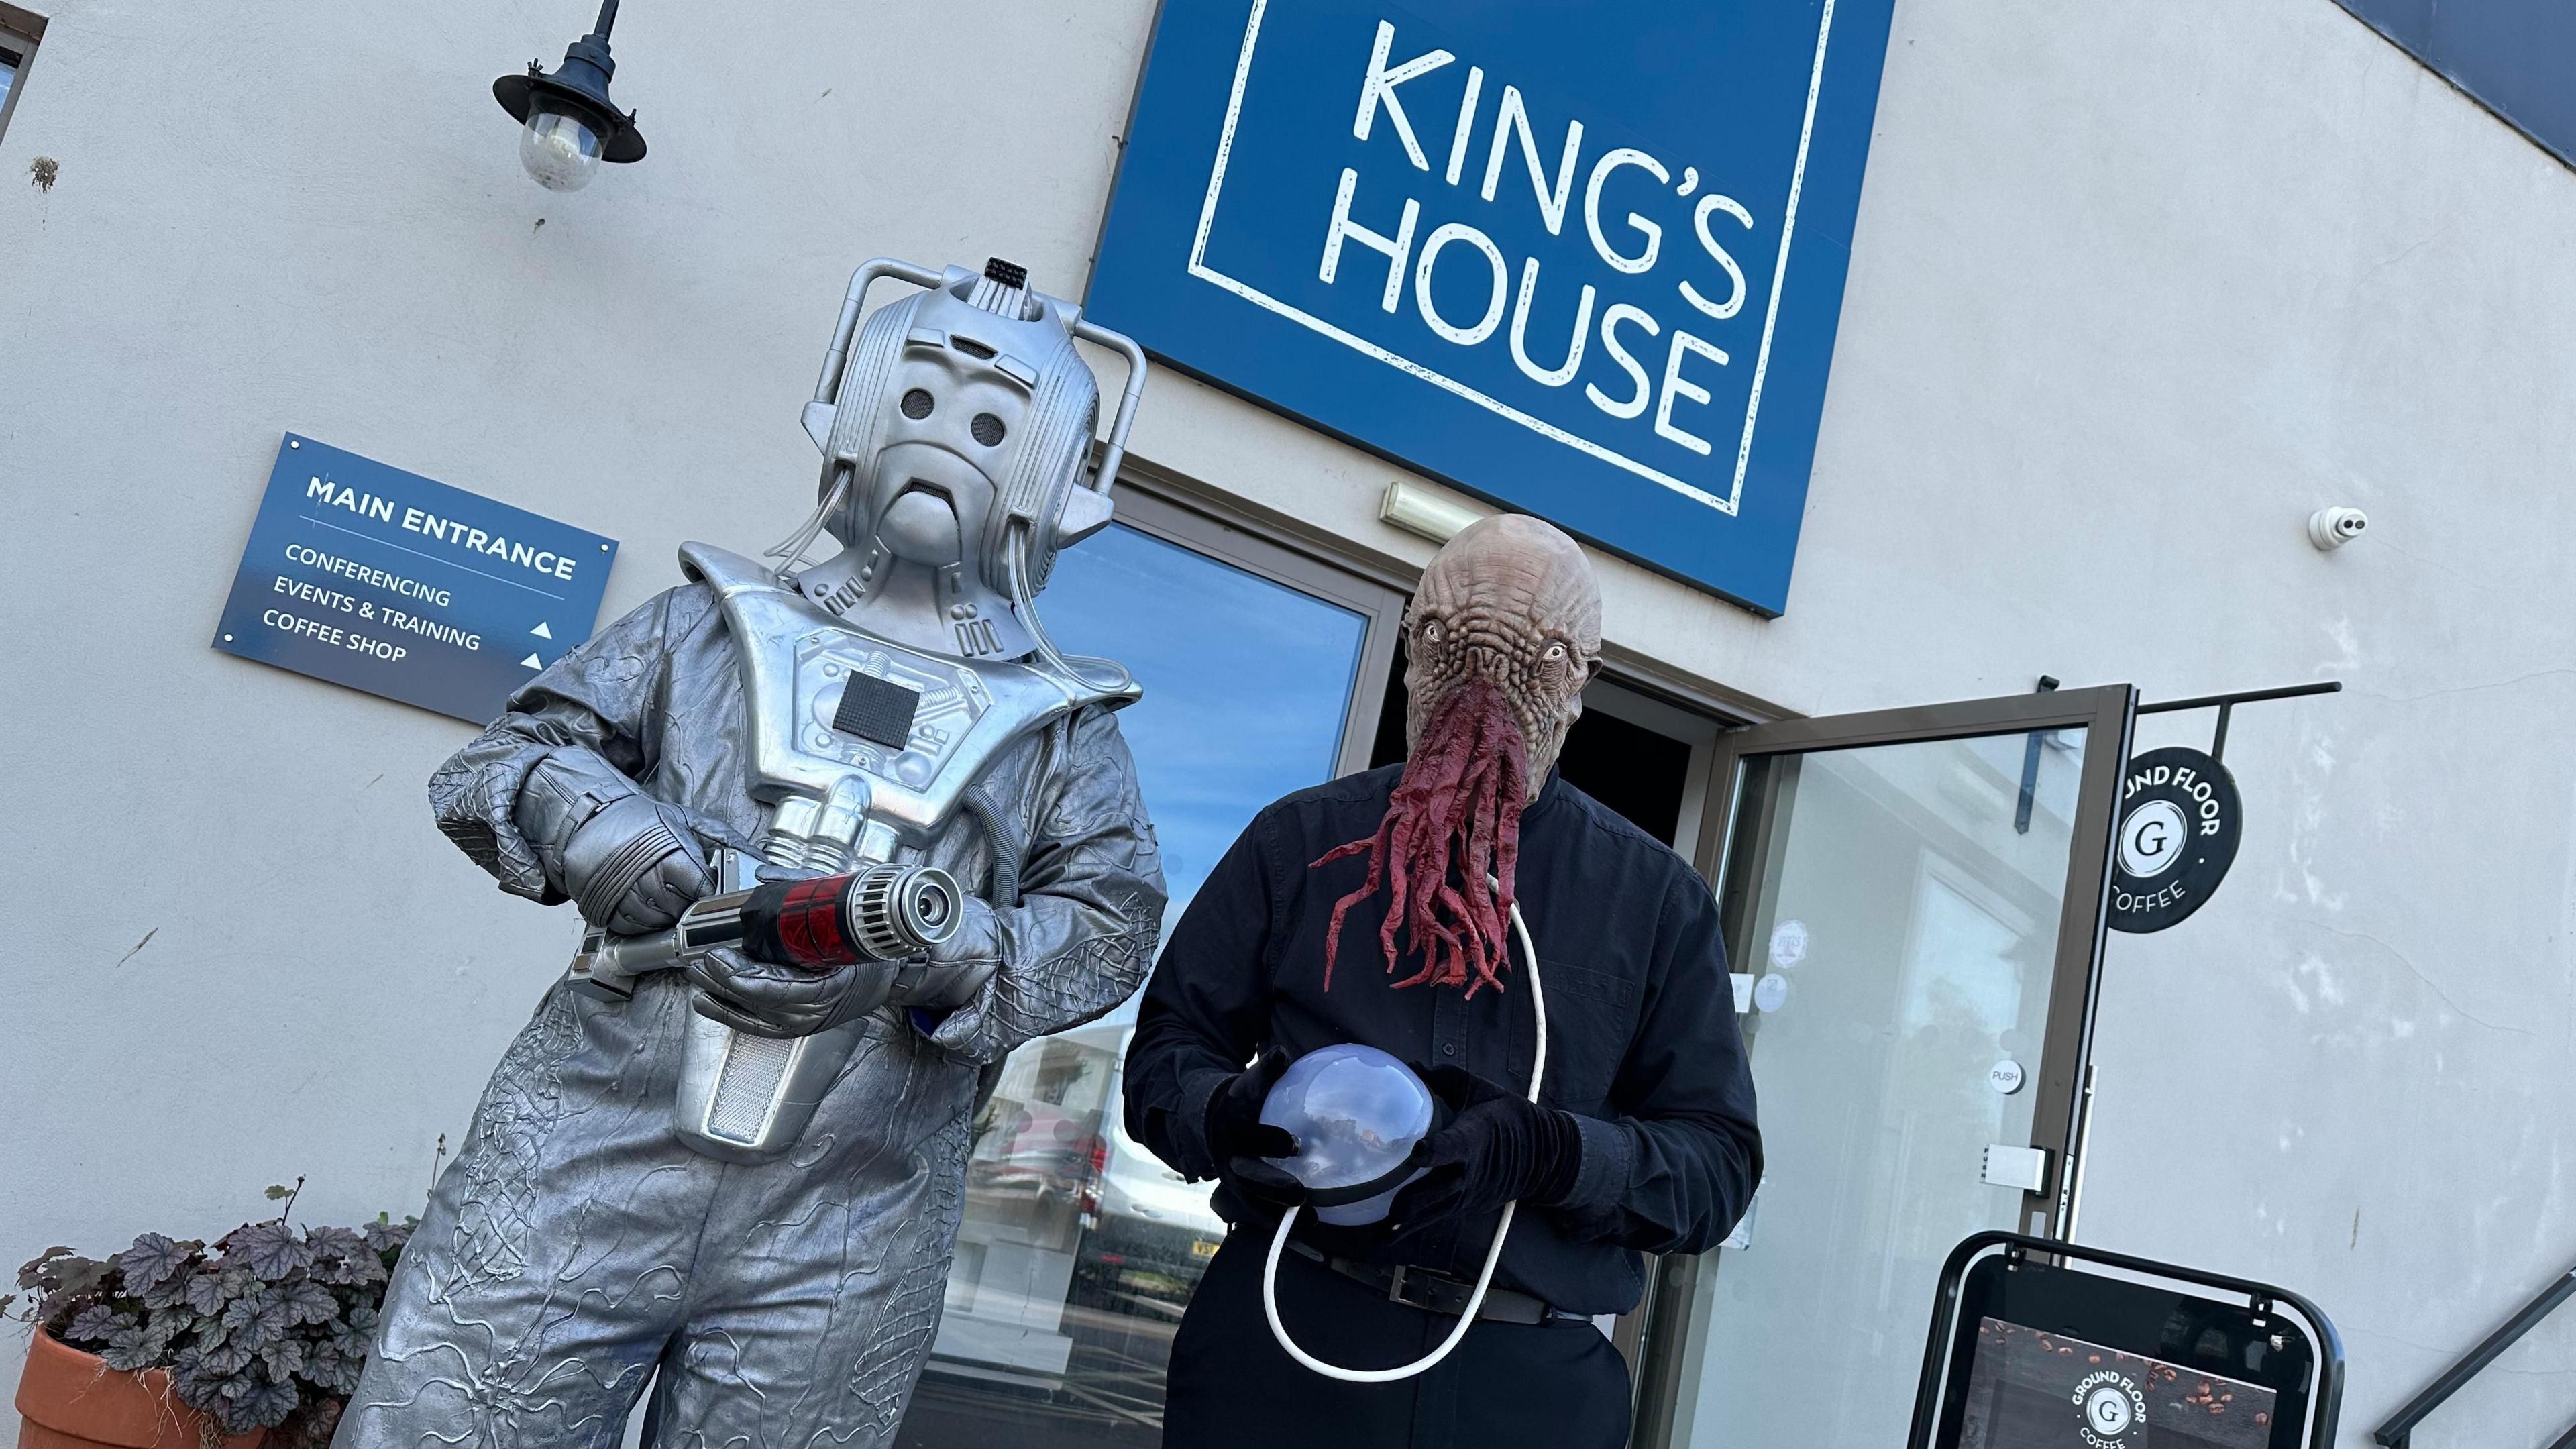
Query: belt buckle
[(1401, 1288)]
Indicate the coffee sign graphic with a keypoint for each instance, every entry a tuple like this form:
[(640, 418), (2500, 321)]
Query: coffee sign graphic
[(2180, 820), (2112, 1405)]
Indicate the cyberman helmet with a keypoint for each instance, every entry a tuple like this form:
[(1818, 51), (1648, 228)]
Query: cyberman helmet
[(956, 429)]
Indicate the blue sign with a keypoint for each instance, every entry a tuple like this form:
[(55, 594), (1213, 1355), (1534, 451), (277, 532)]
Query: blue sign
[(399, 585), (1584, 259), (2514, 56)]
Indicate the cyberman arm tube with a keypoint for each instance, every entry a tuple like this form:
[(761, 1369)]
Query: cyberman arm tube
[(591, 712), (1089, 913)]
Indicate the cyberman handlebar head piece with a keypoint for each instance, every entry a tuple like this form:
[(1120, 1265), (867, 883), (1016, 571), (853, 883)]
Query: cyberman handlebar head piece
[(878, 685), (954, 427)]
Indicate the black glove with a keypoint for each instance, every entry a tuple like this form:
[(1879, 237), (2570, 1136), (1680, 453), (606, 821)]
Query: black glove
[(1499, 1147), (1237, 1138), (784, 1001)]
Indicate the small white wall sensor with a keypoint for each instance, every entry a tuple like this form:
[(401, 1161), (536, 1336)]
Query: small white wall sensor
[(2331, 528)]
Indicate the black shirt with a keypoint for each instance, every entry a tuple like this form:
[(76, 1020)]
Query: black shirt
[(1642, 1040)]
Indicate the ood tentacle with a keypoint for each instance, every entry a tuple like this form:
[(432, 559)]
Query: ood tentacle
[(1447, 847)]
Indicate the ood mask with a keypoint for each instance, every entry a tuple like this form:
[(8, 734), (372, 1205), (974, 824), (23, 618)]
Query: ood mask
[(1502, 636)]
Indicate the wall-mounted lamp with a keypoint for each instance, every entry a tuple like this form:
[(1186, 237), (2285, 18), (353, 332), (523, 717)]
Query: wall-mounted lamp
[(567, 123)]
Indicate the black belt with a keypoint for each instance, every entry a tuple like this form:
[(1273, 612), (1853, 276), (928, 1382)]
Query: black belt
[(1438, 1292)]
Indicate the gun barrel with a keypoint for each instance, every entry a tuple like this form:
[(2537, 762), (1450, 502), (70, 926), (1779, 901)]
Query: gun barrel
[(880, 913)]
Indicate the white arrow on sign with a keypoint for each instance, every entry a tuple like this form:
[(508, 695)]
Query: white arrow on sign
[(530, 663), (541, 631)]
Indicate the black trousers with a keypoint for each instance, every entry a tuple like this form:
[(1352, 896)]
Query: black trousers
[(1547, 1386)]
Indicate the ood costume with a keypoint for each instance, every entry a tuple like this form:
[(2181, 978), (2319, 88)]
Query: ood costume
[(1370, 910), (744, 1174)]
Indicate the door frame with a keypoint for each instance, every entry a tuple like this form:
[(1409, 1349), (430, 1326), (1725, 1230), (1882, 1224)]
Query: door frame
[(2107, 713)]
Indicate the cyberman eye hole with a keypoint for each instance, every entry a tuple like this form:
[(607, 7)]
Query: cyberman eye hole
[(987, 429), (916, 404)]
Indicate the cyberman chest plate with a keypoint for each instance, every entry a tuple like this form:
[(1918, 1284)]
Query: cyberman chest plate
[(863, 747)]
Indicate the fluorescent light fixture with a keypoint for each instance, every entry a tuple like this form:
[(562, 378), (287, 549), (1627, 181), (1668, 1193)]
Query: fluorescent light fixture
[(1435, 515)]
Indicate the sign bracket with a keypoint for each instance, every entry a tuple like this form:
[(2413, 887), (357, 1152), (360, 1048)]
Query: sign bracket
[(2030, 767), (2226, 704)]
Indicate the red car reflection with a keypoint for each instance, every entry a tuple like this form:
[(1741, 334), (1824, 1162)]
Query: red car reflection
[(1036, 1148)]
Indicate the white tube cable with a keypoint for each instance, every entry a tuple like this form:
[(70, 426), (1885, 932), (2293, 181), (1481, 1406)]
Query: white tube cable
[(1493, 1255)]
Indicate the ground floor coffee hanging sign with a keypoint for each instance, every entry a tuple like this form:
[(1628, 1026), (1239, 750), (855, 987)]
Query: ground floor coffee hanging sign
[(2180, 819)]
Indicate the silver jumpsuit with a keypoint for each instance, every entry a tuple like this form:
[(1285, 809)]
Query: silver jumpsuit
[(786, 1284), (574, 1244)]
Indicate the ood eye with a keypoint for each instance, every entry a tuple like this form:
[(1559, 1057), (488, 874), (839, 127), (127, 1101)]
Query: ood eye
[(916, 404), (1432, 633), (1553, 654)]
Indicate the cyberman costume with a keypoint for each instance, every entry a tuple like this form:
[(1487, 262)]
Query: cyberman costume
[(845, 837)]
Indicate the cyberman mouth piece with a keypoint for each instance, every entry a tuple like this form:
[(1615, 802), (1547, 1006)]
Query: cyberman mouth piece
[(920, 525)]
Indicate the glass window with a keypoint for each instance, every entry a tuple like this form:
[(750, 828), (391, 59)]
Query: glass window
[(1079, 1248), (1246, 683), (15, 48)]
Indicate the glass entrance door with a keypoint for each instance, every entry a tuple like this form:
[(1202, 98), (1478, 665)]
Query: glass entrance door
[(1914, 905)]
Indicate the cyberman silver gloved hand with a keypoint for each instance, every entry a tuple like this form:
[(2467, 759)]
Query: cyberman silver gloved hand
[(630, 863), (845, 835)]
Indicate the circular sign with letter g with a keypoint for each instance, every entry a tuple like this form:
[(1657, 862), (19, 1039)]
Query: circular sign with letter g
[(2180, 819)]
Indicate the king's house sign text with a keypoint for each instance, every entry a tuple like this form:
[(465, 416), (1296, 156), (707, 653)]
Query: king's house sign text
[(1584, 259), (402, 586)]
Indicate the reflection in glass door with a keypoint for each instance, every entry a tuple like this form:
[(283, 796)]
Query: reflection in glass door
[(1913, 911), (1079, 1249)]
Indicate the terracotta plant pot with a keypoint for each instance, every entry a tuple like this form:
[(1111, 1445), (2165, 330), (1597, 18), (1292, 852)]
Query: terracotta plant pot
[(72, 1400)]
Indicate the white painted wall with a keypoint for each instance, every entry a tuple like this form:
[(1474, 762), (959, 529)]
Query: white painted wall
[(2137, 287)]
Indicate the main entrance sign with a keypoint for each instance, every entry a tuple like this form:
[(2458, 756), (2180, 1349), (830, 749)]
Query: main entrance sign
[(1583, 259), (402, 586)]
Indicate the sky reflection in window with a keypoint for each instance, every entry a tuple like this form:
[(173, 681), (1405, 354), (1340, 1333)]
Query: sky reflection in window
[(1247, 683)]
